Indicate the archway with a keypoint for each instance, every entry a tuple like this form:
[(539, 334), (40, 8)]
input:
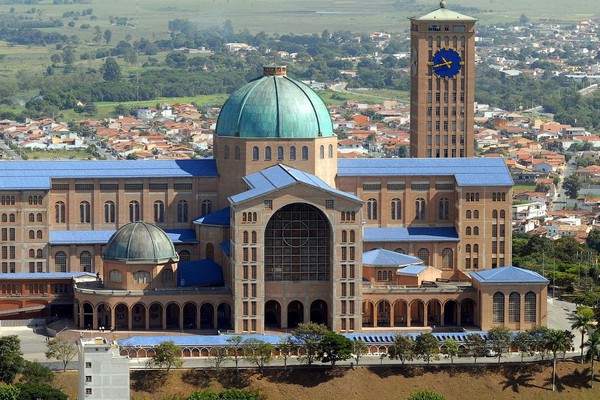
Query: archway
[(224, 316), (318, 312), (88, 316), (190, 311), (138, 315), (434, 313), (207, 316), (467, 312), (172, 312), (156, 313), (295, 314), (400, 313), (450, 309), (417, 311), (103, 312), (367, 313), (383, 313), (272, 314), (121, 316)]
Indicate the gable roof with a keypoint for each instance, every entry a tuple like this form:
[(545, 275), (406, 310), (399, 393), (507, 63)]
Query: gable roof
[(417, 234), (218, 218), (508, 274), (382, 257)]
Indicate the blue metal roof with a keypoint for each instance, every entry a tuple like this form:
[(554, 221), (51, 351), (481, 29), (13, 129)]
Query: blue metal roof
[(38, 173), (280, 176), (177, 236), (412, 270), (226, 247), (508, 274), (383, 257), (199, 273), (417, 234), (48, 275), (466, 171), (219, 218)]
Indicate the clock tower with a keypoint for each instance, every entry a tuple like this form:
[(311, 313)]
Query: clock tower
[(442, 87)]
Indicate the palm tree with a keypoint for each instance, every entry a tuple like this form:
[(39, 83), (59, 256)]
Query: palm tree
[(557, 341), (583, 321), (593, 344)]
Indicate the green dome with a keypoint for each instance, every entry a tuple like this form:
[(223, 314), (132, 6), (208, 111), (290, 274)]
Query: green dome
[(274, 106), (140, 243)]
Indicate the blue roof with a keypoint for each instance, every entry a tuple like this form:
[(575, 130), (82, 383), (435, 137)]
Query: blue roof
[(412, 270), (508, 274), (417, 234), (219, 218), (177, 236), (199, 273), (382, 257), (280, 176), (48, 275), (466, 171), (37, 174), (226, 247)]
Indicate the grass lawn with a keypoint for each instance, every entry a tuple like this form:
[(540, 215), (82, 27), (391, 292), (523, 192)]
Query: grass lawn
[(524, 187), (56, 154)]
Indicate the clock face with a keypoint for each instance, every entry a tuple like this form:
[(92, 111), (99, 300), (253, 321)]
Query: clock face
[(446, 63)]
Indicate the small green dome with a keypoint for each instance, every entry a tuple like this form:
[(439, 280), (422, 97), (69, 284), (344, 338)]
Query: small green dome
[(274, 106), (140, 243)]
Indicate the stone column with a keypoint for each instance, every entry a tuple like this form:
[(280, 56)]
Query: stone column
[(181, 317), (147, 318), (425, 315), (392, 322), (129, 318), (164, 317), (375, 316), (94, 317)]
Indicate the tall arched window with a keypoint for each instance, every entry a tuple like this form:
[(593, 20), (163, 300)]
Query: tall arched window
[(206, 207), (322, 152), (330, 151), (31, 253), (372, 209), (39, 217), (236, 153), (420, 209), (109, 212), (253, 237), (268, 153), (255, 153), (159, 211), (494, 213), (84, 212), (60, 261), (514, 307), (32, 234), (85, 261), (134, 211), (447, 258), (59, 212), (304, 152), (396, 209), (4, 217), (226, 152), (423, 254), (476, 214), (468, 214), (11, 218), (476, 230), (468, 231), (502, 214), (344, 236), (39, 234), (182, 211), (293, 153), (498, 308), (280, 153), (39, 253), (184, 256), (352, 237), (530, 307), (31, 217), (444, 209)]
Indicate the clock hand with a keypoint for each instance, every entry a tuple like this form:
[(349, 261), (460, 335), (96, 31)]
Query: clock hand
[(447, 63)]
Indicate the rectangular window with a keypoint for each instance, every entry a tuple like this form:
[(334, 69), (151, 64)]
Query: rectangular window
[(268, 204), (329, 204), (502, 230), (84, 186), (60, 186), (245, 325), (253, 268), (88, 364), (494, 247), (343, 272), (245, 272), (245, 308), (351, 289), (494, 230), (351, 307), (396, 186), (419, 186), (343, 324), (88, 378), (134, 187), (156, 186), (182, 186), (253, 323), (351, 271), (88, 391), (351, 324), (253, 308), (343, 289), (245, 290), (343, 307), (253, 251), (109, 187), (372, 186), (254, 290)]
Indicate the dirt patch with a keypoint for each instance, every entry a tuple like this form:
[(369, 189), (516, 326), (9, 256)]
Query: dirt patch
[(523, 382)]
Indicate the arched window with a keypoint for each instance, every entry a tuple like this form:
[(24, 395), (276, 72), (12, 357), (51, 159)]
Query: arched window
[(32, 234), (420, 209), (59, 212), (304, 152), (141, 277), (468, 231), (502, 214), (11, 218), (115, 275), (396, 209), (84, 212), (330, 151), (444, 209), (352, 237), (182, 211), (167, 275), (447, 258), (255, 153), (475, 248), (206, 207), (159, 211), (60, 261), (514, 307), (372, 209), (322, 152), (4, 218), (530, 307), (498, 308), (468, 214), (31, 217), (476, 230), (495, 214), (39, 234), (109, 212), (344, 236), (134, 211), (184, 256), (476, 214), (85, 261), (379, 275), (503, 197), (268, 153), (400, 250), (423, 254), (245, 237), (237, 154), (226, 152), (253, 237), (494, 196), (293, 153), (280, 153), (31, 253), (39, 217), (39, 253), (210, 251)]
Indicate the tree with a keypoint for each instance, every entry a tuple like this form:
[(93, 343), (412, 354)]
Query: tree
[(111, 72), (584, 317), (219, 356), (236, 352), (593, 240), (335, 347), (426, 346), (360, 349), (556, 341), (476, 345), (425, 394), (451, 348), (538, 337), (9, 392), (258, 352), (402, 349), (167, 354), (35, 391), (62, 350), (286, 346), (571, 185), (11, 358), (309, 336), (500, 337), (522, 342), (107, 36), (593, 344), (34, 372), (90, 108)]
